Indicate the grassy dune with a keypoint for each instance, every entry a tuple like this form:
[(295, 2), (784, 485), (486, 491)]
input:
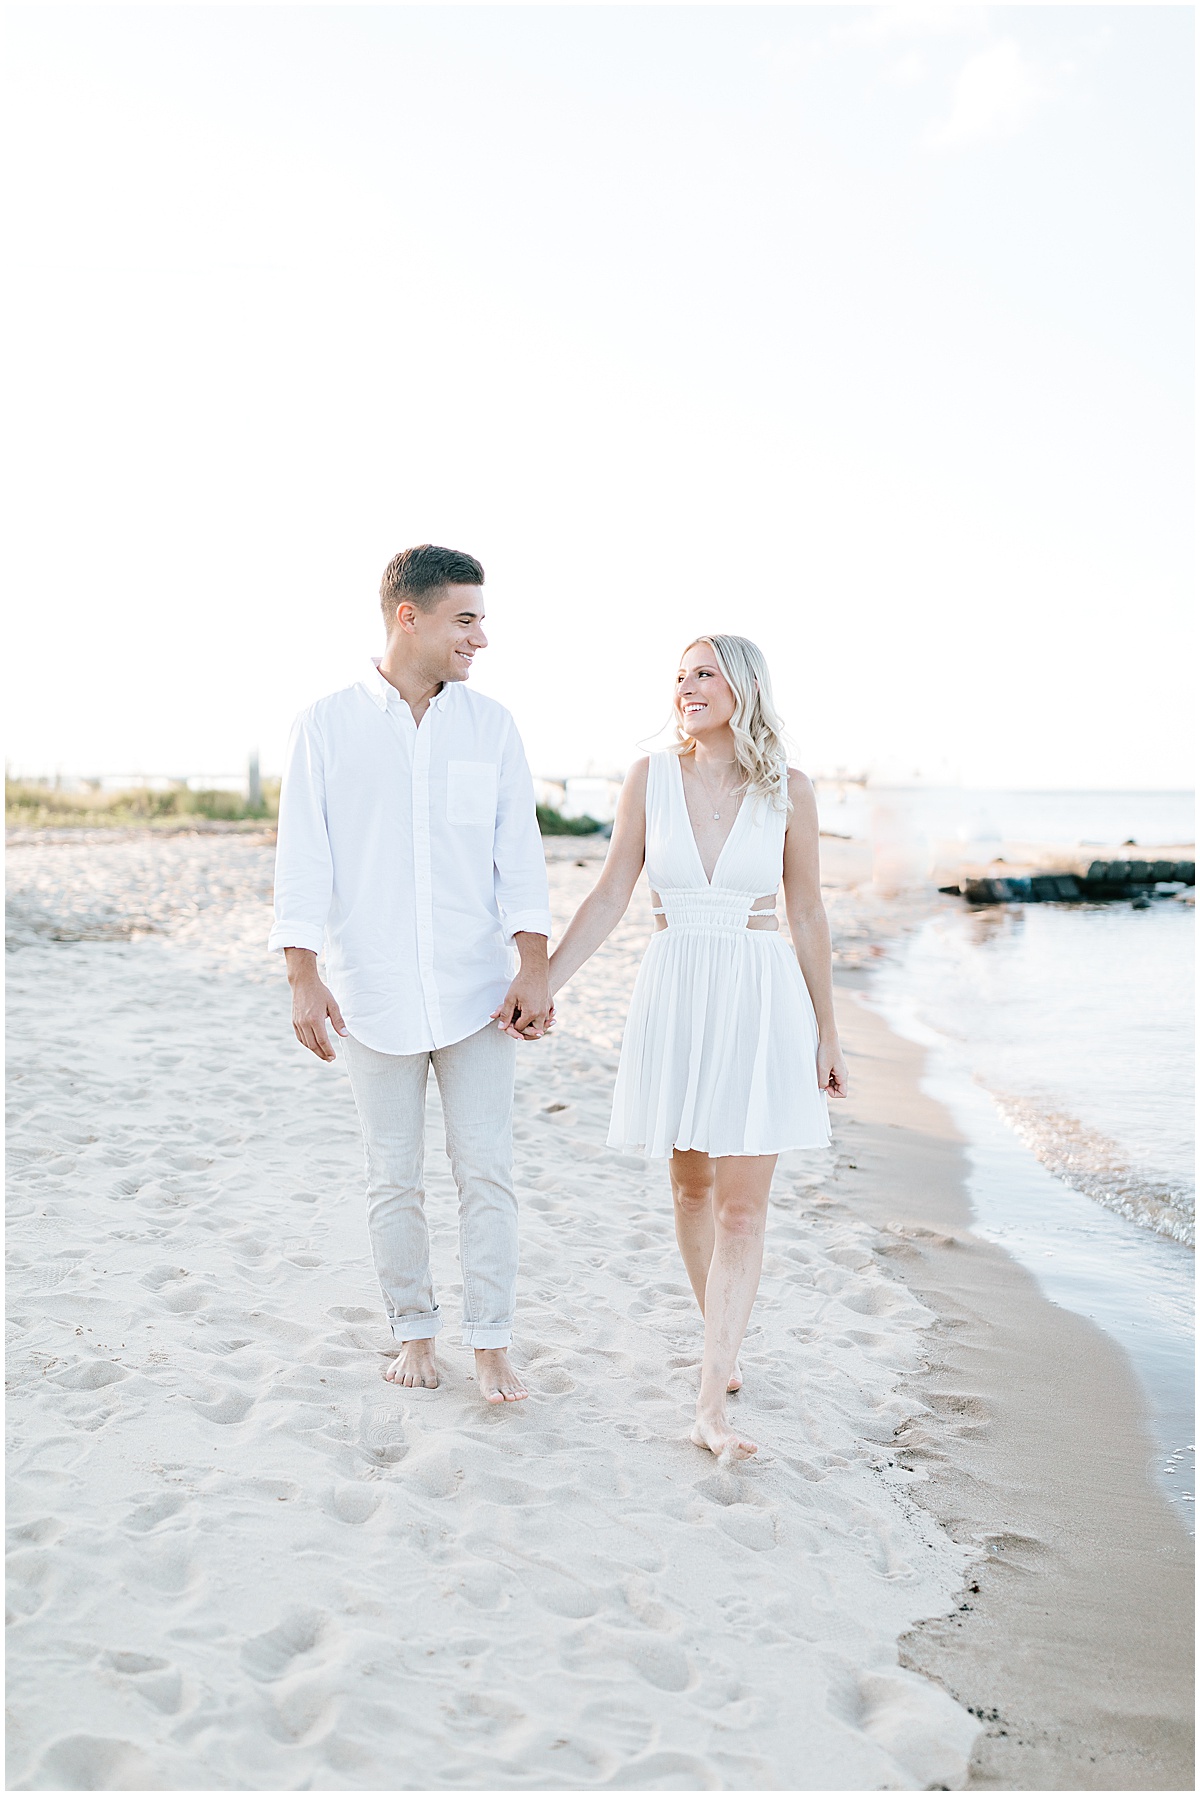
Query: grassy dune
[(32, 804), (37, 805)]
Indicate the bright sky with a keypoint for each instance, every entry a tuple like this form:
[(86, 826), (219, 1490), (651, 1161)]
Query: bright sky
[(865, 333)]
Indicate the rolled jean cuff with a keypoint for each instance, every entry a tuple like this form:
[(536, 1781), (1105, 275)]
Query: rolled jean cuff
[(416, 1328), (487, 1334)]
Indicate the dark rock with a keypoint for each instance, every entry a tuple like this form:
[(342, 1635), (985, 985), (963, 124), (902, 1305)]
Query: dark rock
[(998, 891), (1104, 880), (983, 891), (1050, 888)]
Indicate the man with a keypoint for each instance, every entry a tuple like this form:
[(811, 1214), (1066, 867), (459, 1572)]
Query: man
[(409, 849)]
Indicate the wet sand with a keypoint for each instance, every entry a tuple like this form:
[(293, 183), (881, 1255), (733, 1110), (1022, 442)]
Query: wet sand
[(1073, 1639)]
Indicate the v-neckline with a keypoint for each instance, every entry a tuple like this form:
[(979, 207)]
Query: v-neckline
[(708, 880)]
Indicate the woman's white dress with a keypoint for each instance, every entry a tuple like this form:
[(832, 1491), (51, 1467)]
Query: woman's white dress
[(720, 1049)]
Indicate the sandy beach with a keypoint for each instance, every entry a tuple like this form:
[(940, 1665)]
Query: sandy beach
[(240, 1560)]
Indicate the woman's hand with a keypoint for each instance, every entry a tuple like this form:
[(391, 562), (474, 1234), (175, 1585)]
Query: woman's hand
[(833, 1075), (527, 1011)]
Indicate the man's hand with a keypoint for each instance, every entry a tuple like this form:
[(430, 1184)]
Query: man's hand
[(312, 1003), (528, 1011)]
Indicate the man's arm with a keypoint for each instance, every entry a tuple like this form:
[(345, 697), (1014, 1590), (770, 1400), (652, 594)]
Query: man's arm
[(522, 896), (304, 888)]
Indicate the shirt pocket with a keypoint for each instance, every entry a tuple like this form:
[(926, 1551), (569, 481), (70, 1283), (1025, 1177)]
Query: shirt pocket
[(471, 788)]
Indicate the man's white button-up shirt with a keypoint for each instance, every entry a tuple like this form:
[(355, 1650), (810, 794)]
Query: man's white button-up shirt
[(411, 853)]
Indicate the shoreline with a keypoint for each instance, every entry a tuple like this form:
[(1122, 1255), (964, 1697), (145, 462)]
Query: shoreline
[(956, 1554), (1073, 1637)]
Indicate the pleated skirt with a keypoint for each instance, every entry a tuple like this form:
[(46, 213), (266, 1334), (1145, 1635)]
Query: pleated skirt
[(719, 1053)]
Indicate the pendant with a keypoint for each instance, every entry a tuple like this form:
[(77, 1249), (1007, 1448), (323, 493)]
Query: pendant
[(716, 816)]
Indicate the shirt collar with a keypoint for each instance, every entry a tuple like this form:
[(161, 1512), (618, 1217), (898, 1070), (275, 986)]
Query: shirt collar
[(383, 693)]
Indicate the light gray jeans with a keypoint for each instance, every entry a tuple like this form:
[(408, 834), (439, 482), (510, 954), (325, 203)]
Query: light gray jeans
[(475, 1078)]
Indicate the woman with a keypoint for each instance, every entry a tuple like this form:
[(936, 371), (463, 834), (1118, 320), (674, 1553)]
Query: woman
[(731, 1040)]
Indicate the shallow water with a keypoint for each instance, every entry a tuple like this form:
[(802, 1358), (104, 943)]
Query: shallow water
[(1061, 1038), (1079, 1020)]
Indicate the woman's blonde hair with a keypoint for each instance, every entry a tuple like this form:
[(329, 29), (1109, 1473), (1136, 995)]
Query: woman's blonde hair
[(757, 726)]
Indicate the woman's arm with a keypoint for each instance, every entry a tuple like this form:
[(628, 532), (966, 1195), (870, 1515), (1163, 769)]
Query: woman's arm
[(608, 901), (810, 926)]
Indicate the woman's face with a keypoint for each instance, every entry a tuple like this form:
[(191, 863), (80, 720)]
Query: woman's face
[(704, 699)]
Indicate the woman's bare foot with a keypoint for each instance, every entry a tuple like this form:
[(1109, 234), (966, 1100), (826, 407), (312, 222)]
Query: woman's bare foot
[(735, 1379), (715, 1433), (498, 1381), (414, 1366)]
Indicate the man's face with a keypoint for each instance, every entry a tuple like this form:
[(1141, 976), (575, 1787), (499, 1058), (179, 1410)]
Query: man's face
[(450, 636)]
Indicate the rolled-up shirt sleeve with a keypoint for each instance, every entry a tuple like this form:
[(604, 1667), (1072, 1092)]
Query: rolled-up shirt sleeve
[(522, 890), (303, 860)]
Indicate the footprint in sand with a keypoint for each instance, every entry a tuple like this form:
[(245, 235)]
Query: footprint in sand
[(659, 1662), (93, 1762), (352, 1503), (157, 1681), (620, 1725), (133, 1664), (92, 1375), (268, 1656), (29, 1574), (160, 1276), (226, 1407), (299, 1715), (56, 1272), (43, 1531), (382, 1436), (153, 1514), (298, 1249), (165, 1566), (553, 1382)]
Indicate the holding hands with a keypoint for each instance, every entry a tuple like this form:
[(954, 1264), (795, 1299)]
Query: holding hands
[(527, 1010)]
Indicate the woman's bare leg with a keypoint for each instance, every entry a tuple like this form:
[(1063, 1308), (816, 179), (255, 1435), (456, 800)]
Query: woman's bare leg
[(740, 1187), (692, 1187), (695, 1225)]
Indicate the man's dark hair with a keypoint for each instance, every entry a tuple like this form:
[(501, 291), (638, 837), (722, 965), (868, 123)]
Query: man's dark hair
[(418, 576)]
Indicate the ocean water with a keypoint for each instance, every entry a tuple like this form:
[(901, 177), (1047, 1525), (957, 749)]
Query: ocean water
[(1061, 1038), (1078, 1019)]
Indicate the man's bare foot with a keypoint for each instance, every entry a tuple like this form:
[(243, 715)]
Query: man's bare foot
[(735, 1379), (715, 1433), (497, 1379), (415, 1366)]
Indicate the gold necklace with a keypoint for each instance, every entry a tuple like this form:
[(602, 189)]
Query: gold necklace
[(707, 790)]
